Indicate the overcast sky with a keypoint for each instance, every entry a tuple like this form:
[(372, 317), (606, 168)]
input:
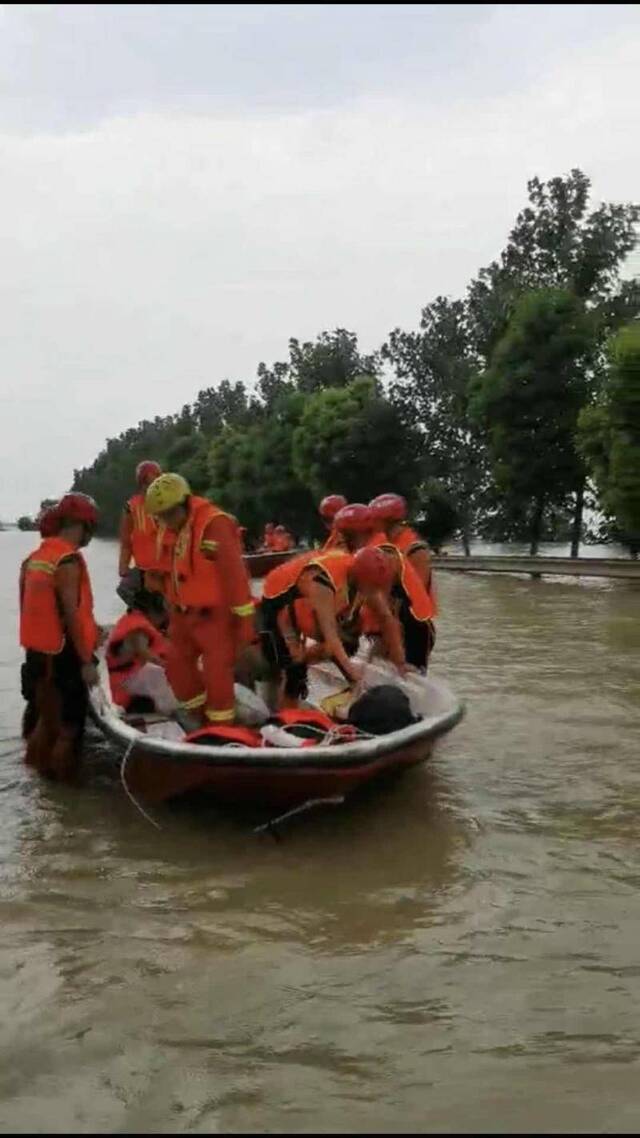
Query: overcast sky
[(184, 188)]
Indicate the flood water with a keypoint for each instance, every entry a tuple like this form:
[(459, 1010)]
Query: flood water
[(458, 952)]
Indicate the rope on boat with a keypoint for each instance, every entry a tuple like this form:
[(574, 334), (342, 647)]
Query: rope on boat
[(129, 794)]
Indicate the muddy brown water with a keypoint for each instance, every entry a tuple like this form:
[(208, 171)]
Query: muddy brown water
[(460, 951)]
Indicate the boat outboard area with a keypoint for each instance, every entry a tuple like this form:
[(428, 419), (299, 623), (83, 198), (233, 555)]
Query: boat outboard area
[(335, 742)]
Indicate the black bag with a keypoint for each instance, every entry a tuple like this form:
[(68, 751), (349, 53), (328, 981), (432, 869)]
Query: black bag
[(381, 710)]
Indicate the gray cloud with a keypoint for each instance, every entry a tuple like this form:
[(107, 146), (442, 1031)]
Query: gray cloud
[(152, 245)]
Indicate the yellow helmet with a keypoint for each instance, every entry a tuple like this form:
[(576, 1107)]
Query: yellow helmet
[(165, 492)]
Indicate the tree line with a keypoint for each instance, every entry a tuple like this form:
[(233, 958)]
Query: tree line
[(504, 415)]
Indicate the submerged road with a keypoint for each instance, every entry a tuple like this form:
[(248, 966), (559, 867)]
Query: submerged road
[(459, 952)]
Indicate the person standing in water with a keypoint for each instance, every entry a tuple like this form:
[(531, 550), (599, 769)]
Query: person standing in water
[(60, 636)]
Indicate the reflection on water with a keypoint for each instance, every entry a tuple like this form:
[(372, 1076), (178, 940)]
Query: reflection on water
[(456, 951)]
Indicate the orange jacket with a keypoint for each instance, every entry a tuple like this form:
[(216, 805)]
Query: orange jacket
[(284, 577), (334, 565), (333, 541), (409, 585), (281, 542), (207, 569), (41, 624), (409, 542), (281, 583), (119, 672), (141, 530)]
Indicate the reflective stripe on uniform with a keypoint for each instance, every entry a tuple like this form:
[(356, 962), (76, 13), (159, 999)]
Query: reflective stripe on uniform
[(220, 716), (195, 703), (244, 610)]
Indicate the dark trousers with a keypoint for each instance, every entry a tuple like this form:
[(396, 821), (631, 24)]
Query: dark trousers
[(54, 718)]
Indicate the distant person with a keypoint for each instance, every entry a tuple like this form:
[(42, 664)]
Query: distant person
[(212, 610), (282, 540), (60, 636), (266, 543), (328, 509), (139, 539), (137, 639)]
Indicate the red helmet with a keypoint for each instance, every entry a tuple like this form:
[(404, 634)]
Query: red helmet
[(77, 508), (388, 508), (355, 518), (371, 568), (146, 472), (48, 521), (330, 505)]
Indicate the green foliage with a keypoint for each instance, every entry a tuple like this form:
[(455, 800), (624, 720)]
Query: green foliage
[(250, 471), (556, 243), (439, 519), (433, 368), (332, 360), (609, 437), (529, 398), (351, 440), (478, 425)]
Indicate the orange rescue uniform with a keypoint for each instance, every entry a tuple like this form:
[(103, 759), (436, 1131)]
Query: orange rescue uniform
[(413, 605), (41, 625), (409, 542), (208, 588), (139, 540), (119, 672)]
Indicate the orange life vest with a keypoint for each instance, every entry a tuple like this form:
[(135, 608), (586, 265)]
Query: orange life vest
[(194, 581), (335, 565), (144, 533), (119, 672), (278, 581), (281, 584), (334, 541), (41, 625), (408, 582), (408, 542)]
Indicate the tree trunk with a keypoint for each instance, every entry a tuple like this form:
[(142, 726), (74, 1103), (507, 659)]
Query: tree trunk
[(576, 531), (536, 527), (465, 543)]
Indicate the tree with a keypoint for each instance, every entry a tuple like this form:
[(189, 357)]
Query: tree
[(439, 519), (331, 360), (529, 399), (609, 437), (557, 243), (433, 368), (251, 471), (353, 441)]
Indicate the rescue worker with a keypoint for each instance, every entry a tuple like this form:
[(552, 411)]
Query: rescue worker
[(139, 539), (390, 511), (282, 540), (328, 509), (212, 610), (266, 545), (307, 598), (411, 603), (135, 640), (59, 634), (353, 527)]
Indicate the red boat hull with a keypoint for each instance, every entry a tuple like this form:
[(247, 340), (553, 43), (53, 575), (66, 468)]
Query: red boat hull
[(158, 779), (259, 564)]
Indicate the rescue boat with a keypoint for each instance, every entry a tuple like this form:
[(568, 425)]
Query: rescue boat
[(158, 763), (259, 564)]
